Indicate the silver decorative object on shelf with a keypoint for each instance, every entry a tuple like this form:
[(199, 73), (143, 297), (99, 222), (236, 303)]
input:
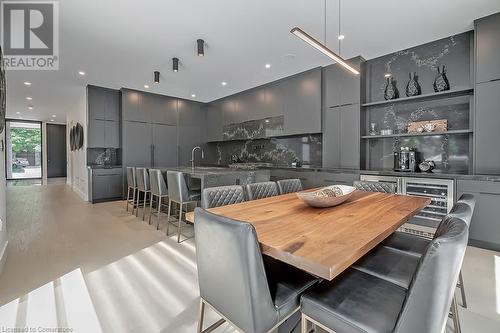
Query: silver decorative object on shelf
[(427, 166), (412, 87), (441, 82), (373, 129)]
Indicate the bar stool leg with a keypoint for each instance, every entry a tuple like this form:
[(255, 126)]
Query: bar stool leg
[(201, 316), (158, 211), (144, 205), (138, 203), (179, 225), (456, 319), (128, 198), (150, 207), (168, 215), (462, 289)]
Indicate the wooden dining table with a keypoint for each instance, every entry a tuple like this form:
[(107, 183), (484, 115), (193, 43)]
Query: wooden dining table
[(323, 241)]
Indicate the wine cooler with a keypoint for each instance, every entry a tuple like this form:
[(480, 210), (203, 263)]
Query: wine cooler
[(440, 191)]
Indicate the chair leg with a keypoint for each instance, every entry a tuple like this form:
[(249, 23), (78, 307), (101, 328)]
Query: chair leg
[(179, 226), (201, 316), (150, 207), (454, 312), (462, 289), (128, 198), (158, 211), (133, 201), (303, 324), (138, 203), (168, 215), (144, 205)]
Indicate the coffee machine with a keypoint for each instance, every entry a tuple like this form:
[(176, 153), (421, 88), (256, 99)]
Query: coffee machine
[(405, 160)]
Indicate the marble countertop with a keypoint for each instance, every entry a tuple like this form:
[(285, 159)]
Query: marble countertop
[(202, 171)]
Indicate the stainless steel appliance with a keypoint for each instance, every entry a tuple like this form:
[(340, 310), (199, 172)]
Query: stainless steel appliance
[(405, 160), (440, 191)]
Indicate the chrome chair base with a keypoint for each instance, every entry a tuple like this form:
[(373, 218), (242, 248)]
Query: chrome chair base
[(143, 201), (179, 222), (159, 206), (460, 285), (129, 201)]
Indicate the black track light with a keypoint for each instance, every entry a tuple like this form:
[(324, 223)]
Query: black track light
[(157, 77), (201, 47), (175, 64)]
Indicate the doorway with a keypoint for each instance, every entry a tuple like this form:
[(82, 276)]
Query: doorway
[(56, 150), (23, 149)]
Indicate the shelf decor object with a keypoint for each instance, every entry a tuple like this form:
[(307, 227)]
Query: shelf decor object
[(441, 82), (430, 96), (412, 87), (3, 91), (391, 91), (328, 196), (440, 125)]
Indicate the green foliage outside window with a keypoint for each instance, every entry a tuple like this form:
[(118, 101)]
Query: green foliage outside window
[(26, 139)]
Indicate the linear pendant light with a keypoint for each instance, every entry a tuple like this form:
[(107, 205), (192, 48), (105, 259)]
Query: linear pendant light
[(322, 48)]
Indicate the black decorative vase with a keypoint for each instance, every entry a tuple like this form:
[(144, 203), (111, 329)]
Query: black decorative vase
[(441, 82), (391, 91), (412, 87)]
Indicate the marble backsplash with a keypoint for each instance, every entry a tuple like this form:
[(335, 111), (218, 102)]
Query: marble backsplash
[(103, 156), (279, 151), (254, 129)]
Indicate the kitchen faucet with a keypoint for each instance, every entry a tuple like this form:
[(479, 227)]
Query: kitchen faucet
[(192, 155)]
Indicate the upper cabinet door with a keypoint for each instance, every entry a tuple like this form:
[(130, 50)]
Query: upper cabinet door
[(232, 111), (192, 127), (163, 109), (165, 153), (215, 119), (340, 86), (131, 107), (96, 99), (302, 103), (488, 48), (112, 106)]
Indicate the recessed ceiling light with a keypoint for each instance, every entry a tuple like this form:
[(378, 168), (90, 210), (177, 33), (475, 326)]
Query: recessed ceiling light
[(193, 95), (267, 120), (29, 98), (82, 73), (388, 75), (341, 37), (268, 66), (26, 83), (30, 107), (53, 116), (223, 83), (18, 112), (51, 119), (20, 117), (146, 86)]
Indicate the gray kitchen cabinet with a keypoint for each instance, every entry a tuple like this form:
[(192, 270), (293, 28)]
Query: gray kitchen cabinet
[(137, 141), (487, 35), (341, 87), (164, 145), (232, 113), (302, 103), (111, 134), (162, 109), (191, 129), (487, 134), (485, 224), (326, 178), (307, 178), (96, 103), (95, 133), (341, 135), (214, 121), (112, 105), (131, 107), (106, 184)]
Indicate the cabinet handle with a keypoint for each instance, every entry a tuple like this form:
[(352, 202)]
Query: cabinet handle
[(489, 193)]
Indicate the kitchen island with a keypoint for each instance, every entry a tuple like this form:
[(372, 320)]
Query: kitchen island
[(205, 177)]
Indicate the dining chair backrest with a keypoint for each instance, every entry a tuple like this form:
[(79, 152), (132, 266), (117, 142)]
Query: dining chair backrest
[(375, 186), (464, 208), (231, 272), (432, 289), (289, 185), (261, 190), (158, 185), (131, 180), (221, 196), (177, 188), (142, 177)]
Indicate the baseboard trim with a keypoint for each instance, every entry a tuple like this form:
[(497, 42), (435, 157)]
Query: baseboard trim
[(484, 245), (3, 256)]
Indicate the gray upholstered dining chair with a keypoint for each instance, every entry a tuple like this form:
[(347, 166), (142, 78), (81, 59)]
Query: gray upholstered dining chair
[(289, 185), (409, 298), (416, 245), (159, 191), (179, 193), (261, 190), (143, 186), (252, 292), (221, 196), (375, 186), (131, 186)]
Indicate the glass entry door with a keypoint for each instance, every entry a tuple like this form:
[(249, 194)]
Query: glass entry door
[(23, 149)]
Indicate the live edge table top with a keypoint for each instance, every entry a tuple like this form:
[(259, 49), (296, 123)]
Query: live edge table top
[(323, 241)]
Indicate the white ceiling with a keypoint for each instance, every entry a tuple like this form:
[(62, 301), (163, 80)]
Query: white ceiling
[(119, 43)]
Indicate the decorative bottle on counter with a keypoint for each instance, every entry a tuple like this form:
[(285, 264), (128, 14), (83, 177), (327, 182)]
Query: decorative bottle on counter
[(391, 91), (441, 82), (412, 87)]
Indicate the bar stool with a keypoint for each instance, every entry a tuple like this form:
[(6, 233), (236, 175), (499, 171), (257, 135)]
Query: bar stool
[(131, 185), (179, 193), (143, 185), (158, 190)]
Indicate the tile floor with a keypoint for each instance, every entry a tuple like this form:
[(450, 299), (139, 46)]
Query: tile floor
[(137, 279)]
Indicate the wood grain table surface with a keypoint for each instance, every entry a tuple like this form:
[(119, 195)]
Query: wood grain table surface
[(323, 241)]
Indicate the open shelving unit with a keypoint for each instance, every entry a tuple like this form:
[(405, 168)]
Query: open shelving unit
[(397, 135)]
